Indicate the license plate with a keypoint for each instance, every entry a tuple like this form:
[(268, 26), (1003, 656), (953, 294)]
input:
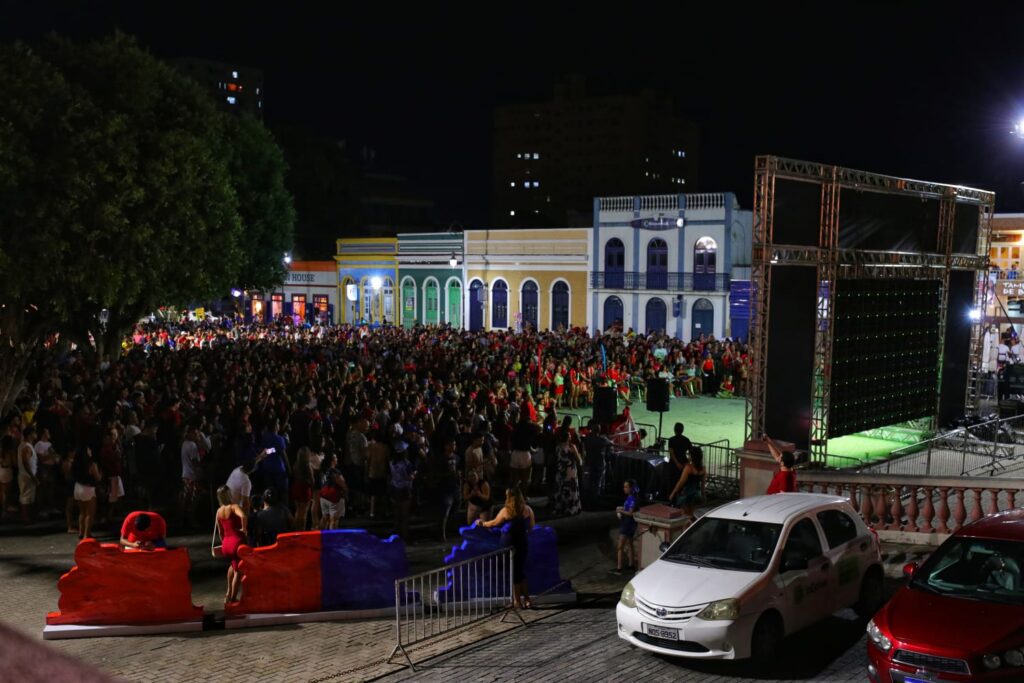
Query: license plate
[(909, 679), (663, 633)]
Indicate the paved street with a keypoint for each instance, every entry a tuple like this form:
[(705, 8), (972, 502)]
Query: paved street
[(560, 644)]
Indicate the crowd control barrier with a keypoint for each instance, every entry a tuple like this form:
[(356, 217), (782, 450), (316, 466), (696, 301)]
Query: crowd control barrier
[(424, 608), (317, 576), (114, 592)]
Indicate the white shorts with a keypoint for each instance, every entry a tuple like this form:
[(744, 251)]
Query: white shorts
[(332, 510), (520, 460), (26, 489), (85, 493)]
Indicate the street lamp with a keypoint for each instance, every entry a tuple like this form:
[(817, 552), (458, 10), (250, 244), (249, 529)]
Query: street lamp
[(287, 258), (236, 292), (453, 261)]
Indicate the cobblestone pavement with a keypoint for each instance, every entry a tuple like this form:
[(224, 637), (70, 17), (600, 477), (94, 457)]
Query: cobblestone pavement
[(560, 644), (580, 644)]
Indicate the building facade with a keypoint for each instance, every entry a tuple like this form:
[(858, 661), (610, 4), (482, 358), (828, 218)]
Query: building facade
[(430, 277), (520, 278), (664, 263), (235, 88), (367, 273), (309, 294), (552, 158)]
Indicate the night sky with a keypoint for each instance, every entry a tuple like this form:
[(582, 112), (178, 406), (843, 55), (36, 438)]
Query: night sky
[(926, 90)]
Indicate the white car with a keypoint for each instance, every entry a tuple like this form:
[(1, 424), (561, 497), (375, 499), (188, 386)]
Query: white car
[(751, 572)]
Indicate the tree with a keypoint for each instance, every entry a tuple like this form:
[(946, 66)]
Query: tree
[(117, 193), (258, 170)]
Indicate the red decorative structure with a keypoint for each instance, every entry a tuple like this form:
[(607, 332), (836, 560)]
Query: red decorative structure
[(109, 586), (284, 577)]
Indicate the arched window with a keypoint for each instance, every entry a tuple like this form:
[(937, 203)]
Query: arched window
[(531, 302), (560, 305), (349, 300), (499, 305), (430, 301), (387, 300), (655, 317), (477, 305), (614, 263), (704, 254), (702, 319), (657, 264), (612, 312), (408, 302)]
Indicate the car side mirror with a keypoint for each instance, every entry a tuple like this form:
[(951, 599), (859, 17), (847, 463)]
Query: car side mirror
[(910, 569), (664, 546)]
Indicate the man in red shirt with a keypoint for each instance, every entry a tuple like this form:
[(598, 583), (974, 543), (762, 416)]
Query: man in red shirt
[(784, 480), (144, 531)]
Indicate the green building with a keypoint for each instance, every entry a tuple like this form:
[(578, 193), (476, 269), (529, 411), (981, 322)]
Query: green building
[(430, 275)]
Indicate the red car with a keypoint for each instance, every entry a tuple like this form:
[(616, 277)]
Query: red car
[(961, 615)]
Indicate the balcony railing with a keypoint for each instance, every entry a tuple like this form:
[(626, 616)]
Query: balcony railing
[(673, 282)]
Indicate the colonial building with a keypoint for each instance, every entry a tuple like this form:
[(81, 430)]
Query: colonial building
[(430, 268), (309, 293), (664, 263), (367, 273), (518, 278)]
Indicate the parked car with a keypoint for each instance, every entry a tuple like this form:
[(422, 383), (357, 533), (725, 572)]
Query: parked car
[(960, 617), (751, 572)]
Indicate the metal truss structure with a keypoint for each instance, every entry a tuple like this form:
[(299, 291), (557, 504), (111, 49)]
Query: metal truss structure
[(832, 264)]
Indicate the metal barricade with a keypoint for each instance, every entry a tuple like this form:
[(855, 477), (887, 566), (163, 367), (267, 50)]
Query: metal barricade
[(438, 601)]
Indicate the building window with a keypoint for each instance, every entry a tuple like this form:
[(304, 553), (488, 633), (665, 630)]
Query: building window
[(657, 264), (512, 212), (513, 183), (299, 306), (519, 156), (257, 91), (536, 156), (234, 74), (231, 99)]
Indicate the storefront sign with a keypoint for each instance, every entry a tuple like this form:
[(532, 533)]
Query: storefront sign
[(299, 278), (1011, 288), (659, 223)]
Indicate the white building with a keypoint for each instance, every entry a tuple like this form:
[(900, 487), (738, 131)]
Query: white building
[(665, 262)]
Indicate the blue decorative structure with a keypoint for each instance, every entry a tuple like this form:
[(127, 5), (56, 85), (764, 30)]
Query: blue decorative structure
[(358, 570), (542, 568)]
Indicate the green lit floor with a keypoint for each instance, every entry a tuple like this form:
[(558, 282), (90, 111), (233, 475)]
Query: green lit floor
[(710, 419)]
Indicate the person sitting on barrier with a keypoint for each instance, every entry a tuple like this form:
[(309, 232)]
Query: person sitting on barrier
[(627, 527), (689, 490), (477, 494), (521, 521), (232, 521), (144, 531), (272, 520), (784, 480)]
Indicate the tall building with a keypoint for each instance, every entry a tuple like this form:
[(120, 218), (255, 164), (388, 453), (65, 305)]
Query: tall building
[(552, 158), (236, 88)]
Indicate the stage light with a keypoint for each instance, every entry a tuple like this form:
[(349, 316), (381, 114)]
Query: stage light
[(376, 283), (974, 314)]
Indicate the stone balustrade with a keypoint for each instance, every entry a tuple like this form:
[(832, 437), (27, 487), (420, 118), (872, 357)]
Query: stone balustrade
[(914, 509)]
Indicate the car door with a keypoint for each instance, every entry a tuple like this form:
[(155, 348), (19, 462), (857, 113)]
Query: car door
[(803, 577), (849, 552)]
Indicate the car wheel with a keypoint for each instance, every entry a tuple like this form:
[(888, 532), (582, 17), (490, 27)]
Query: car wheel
[(870, 598), (765, 641)]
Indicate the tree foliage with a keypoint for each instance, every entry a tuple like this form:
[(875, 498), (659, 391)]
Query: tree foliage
[(120, 189)]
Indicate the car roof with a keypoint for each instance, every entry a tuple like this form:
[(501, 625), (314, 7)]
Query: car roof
[(776, 508), (1007, 525)]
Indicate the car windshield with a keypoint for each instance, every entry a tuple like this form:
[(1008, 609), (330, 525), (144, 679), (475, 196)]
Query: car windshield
[(732, 544), (975, 568)]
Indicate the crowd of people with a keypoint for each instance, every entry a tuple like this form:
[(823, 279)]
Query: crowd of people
[(307, 425)]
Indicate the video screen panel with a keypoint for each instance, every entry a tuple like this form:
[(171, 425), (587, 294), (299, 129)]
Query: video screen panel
[(887, 222)]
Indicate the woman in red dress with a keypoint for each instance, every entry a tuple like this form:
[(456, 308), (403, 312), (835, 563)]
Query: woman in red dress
[(232, 521)]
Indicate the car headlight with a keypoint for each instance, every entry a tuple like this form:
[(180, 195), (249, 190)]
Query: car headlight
[(991, 661), (628, 595), (721, 610), (1013, 658), (880, 640)]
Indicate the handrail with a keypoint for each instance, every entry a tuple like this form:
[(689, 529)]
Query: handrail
[(875, 478)]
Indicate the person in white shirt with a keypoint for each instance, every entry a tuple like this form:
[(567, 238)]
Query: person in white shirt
[(1004, 352), (28, 470), (240, 484)]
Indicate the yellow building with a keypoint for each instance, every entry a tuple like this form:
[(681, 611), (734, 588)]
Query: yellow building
[(367, 273), (519, 278)]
